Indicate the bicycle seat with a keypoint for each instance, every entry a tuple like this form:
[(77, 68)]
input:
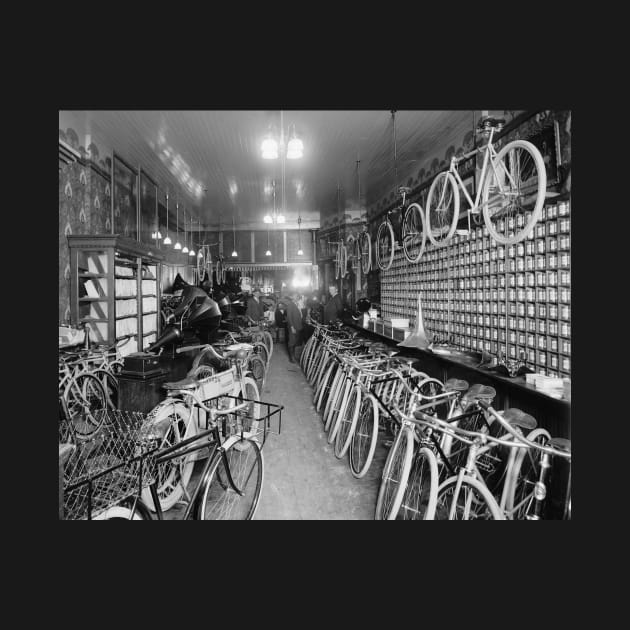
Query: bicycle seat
[(186, 383), (518, 418), (562, 444), (456, 385), (488, 122), (480, 391)]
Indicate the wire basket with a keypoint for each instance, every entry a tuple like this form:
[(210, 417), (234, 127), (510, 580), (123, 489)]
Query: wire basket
[(115, 464), (255, 419)]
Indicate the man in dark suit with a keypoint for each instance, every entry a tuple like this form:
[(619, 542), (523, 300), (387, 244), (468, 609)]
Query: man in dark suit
[(294, 326), (334, 307), (255, 308)]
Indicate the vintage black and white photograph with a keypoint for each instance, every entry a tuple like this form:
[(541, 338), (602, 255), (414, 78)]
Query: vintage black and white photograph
[(299, 315)]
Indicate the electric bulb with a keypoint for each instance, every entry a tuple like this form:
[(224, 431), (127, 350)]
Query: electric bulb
[(177, 245)]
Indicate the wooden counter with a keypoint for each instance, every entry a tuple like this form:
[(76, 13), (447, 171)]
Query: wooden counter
[(554, 414)]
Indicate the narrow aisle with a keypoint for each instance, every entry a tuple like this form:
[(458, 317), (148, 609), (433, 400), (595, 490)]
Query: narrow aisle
[(303, 478)]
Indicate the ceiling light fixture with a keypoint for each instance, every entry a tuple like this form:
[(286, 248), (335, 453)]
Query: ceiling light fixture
[(268, 252), (192, 251), (167, 240), (299, 252), (199, 252), (295, 148), (177, 245), (271, 146), (234, 252), (185, 249)]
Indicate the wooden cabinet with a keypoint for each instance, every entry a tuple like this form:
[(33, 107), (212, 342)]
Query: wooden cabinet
[(115, 288)]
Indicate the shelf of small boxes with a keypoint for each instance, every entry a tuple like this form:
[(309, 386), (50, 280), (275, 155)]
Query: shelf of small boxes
[(514, 298)]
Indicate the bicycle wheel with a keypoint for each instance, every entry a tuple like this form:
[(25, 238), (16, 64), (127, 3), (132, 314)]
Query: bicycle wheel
[(201, 371), (473, 501), (348, 422), (123, 512), (335, 392), (514, 186), (395, 475), (365, 251), (364, 437), (110, 385), (339, 409), (524, 477), (442, 211), (325, 387), (205, 357), (260, 350), (414, 235), (268, 341), (420, 498), (385, 240), (257, 368), (173, 475), (218, 500), (87, 404)]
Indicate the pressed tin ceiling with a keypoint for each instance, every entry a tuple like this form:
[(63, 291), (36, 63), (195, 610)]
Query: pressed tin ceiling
[(212, 159)]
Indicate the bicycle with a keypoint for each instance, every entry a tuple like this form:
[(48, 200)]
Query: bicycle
[(118, 485), (409, 232), (511, 195), (466, 495), (183, 420)]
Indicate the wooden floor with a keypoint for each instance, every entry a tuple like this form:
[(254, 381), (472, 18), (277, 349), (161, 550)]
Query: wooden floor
[(303, 478)]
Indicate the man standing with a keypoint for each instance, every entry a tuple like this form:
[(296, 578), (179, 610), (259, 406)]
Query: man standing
[(294, 326), (255, 308), (333, 308)]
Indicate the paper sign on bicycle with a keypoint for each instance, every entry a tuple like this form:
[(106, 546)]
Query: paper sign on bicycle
[(217, 385)]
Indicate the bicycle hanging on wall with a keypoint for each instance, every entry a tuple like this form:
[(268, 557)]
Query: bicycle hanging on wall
[(511, 195)]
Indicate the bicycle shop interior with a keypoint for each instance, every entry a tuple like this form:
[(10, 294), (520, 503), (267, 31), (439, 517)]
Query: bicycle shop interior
[(315, 315)]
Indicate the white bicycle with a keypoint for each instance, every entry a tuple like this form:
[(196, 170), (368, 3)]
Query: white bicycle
[(511, 192)]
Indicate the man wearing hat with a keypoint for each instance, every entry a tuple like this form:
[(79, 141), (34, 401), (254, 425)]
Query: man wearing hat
[(294, 326), (255, 308)]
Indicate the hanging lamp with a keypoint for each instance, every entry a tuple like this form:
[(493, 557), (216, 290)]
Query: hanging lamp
[(177, 245), (234, 252), (192, 251), (299, 252), (199, 252), (268, 252), (185, 249), (295, 148), (167, 239)]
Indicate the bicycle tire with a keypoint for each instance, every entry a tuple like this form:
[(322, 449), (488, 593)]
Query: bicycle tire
[(337, 384), (217, 500), (110, 385), (420, 497), (364, 438), (485, 505), (268, 341), (442, 218), (339, 408), (324, 390), (395, 475), (348, 422), (257, 368), (87, 404), (172, 476), (524, 475), (365, 251), (414, 234), (385, 253), (536, 171), (260, 350), (123, 511), (305, 357)]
